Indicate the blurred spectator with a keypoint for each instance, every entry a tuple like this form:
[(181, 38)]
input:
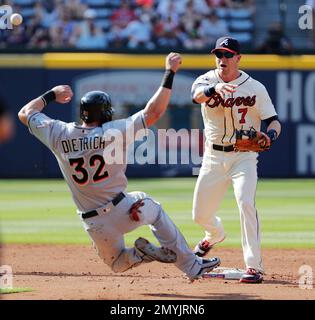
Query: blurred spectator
[(138, 33), (94, 38), (276, 42), (83, 27), (165, 23), (35, 24), (212, 28), (216, 3), (189, 18), (123, 15), (200, 6), (165, 33), (75, 8), (87, 35), (56, 38), (49, 13), (50, 5), (171, 16), (17, 38), (62, 31), (194, 39), (145, 3), (7, 126), (164, 7), (41, 39), (119, 21)]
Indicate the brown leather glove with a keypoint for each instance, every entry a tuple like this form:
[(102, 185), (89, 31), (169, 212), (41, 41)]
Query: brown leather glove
[(251, 140)]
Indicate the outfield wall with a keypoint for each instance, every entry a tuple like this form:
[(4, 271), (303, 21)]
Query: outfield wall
[(132, 79)]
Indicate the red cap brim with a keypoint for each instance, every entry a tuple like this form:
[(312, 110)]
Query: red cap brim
[(226, 49)]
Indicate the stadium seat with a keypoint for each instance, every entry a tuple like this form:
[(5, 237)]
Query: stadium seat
[(102, 23), (27, 12), (222, 12), (240, 13), (96, 2), (242, 36), (24, 2), (241, 25), (103, 13)]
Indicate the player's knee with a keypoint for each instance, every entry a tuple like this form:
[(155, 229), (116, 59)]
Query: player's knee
[(152, 210)]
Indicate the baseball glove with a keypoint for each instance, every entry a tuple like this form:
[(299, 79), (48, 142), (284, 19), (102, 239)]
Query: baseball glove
[(251, 140)]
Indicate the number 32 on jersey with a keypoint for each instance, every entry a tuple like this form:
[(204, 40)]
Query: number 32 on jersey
[(82, 175)]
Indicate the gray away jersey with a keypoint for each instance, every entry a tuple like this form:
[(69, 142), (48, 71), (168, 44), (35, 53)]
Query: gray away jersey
[(81, 155)]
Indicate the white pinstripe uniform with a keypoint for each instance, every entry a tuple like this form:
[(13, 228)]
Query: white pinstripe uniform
[(243, 109)]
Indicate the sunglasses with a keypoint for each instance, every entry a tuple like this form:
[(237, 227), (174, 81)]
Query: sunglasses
[(226, 54)]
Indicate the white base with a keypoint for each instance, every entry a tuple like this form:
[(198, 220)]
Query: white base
[(225, 273)]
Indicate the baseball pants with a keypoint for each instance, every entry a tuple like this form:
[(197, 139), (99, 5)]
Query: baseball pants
[(218, 170), (107, 234)]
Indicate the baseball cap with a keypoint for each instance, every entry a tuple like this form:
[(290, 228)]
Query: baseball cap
[(228, 44)]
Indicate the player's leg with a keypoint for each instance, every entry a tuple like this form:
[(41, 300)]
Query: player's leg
[(170, 237), (244, 179), (209, 191), (108, 241), (107, 234)]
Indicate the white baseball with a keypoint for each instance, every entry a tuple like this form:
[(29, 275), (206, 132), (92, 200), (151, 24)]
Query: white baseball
[(16, 19)]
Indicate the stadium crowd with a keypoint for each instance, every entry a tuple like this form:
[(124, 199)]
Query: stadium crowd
[(130, 24)]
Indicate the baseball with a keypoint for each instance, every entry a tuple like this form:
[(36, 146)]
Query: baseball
[(16, 19)]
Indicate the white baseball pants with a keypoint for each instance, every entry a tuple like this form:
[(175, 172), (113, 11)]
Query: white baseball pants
[(218, 170)]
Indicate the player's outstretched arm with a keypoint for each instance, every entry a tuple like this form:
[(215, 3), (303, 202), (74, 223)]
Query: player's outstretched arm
[(203, 93), (61, 94), (157, 105)]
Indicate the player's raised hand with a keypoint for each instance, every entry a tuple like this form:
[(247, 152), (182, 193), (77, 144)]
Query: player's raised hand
[(173, 61), (63, 93), (225, 89)]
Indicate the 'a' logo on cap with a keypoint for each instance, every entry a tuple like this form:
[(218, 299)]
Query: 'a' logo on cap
[(225, 42)]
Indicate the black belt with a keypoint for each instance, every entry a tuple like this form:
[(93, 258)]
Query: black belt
[(223, 148), (94, 213)]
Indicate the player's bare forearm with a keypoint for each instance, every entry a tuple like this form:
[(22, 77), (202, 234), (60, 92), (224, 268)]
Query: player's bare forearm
[(199, 95), (34, 106), (61, 94), (157, 105)]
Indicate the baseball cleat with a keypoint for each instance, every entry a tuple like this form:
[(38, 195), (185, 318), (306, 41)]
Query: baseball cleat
[(252, 276), (204, 246), (207, 265), (149, 252)]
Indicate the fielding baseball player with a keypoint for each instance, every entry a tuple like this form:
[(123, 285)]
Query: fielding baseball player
[(233, 104), (98, 188)]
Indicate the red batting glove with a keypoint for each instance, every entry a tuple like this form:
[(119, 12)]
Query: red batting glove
[(134, 212)]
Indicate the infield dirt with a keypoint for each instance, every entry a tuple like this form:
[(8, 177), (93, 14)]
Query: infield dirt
[(74, 272)]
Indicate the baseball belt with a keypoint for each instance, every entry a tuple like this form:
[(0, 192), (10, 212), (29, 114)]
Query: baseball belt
[(94, 213), (223, 148)]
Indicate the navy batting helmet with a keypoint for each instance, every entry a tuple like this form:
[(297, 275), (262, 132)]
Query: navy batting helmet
[(96, 106)]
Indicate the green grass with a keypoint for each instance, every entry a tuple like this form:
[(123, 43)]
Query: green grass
[(42, 211), (14, 290)]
